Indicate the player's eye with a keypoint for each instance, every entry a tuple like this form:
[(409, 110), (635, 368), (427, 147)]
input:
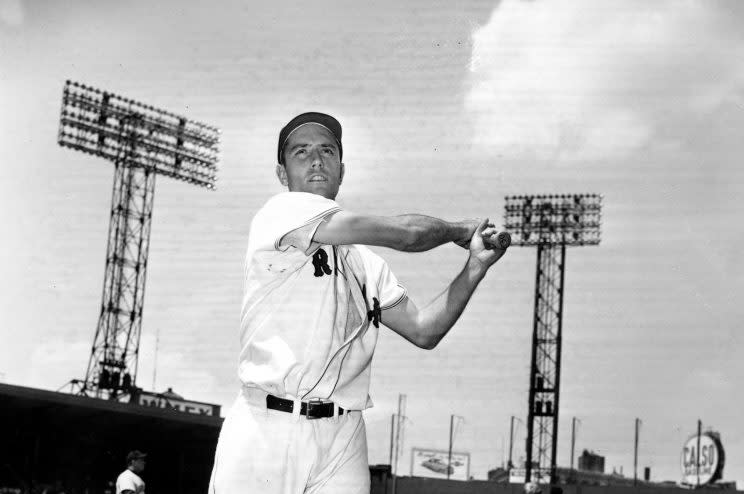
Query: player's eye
[(328, 151), (300, 152)]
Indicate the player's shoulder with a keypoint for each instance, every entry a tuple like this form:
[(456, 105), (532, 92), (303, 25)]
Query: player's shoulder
[(288, 205), (284, 206), (272, 203), (290, 200)]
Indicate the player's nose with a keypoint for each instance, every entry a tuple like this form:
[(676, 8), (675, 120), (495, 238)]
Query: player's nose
[(317, 159)]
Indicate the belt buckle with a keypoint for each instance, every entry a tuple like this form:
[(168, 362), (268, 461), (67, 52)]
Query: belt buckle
[(310, 405)]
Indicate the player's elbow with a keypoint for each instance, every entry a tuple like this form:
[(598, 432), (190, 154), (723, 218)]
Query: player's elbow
[(429, 344), (426, 341)]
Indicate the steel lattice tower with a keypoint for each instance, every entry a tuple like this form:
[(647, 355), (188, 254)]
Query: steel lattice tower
[(142, 142), (551, 223)]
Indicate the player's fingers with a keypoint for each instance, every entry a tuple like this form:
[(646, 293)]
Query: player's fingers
[(483, 225), (488, 242)]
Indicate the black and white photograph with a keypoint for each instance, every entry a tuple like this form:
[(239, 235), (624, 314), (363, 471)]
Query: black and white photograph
[(381, 247)]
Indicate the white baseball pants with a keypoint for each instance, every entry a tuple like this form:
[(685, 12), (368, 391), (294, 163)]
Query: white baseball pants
[(274, 452)]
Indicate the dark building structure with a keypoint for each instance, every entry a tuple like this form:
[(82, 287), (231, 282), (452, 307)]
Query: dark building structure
[(591, 483), (580, 481), (55, 442), (591, 462)]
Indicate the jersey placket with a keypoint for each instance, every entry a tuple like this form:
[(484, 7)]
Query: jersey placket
[(360, 301)]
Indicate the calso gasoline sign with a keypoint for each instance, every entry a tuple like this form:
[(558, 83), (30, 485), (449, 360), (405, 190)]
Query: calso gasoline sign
[(702, 459)]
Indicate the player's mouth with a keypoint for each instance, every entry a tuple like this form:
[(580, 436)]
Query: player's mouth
[(317, 178)]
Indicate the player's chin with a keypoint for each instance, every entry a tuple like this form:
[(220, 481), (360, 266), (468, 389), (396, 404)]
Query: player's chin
[(325, 189)]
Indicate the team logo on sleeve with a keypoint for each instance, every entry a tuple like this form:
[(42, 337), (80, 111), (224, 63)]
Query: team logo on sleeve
[(375, 313), (320, 263)]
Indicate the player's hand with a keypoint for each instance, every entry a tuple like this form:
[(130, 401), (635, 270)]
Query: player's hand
[(469, 228), (482, 245)]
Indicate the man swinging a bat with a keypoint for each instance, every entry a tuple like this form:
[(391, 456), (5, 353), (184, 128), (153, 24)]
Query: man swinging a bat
[(314, 298)]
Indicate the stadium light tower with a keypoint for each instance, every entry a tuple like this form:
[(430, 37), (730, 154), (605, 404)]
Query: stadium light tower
[(142, 142), (551, 223)]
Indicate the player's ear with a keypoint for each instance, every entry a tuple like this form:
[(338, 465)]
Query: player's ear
[(343, 170), (281, 172)]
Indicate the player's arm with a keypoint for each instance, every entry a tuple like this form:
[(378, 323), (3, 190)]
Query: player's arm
[(408, 232), (425, 327)]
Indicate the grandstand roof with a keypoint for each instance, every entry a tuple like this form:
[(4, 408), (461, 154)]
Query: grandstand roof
[(18, 404)]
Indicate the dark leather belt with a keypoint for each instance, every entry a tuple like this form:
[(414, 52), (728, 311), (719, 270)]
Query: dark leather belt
[(310, 409)]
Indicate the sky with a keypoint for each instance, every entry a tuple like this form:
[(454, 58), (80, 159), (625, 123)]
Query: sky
[(447, 107)]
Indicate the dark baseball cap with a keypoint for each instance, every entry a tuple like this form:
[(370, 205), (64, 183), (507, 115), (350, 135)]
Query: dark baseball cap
[(135, 455), (327, 121)]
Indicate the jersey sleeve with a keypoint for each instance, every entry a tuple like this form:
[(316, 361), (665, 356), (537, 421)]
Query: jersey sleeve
[(391, 291), (290, 219), (125, 483)]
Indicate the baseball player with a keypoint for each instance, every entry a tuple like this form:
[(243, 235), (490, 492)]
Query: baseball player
[(129, 481), (313, 302)]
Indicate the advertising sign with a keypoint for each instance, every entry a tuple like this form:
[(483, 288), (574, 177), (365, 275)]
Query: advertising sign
[(433, 463), (702, 459), (162, 401), (539, 475)]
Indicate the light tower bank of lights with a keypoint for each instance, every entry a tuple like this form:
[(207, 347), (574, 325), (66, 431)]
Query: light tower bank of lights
[(142, 142), (551, 223)]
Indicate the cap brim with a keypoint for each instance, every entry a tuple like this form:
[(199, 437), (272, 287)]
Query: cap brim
[(328, 122)]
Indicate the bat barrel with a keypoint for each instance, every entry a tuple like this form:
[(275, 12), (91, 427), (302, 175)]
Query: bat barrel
[(503, 240)]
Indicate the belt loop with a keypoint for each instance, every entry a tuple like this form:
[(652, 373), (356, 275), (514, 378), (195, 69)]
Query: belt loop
[(335, 411), (296, 407)]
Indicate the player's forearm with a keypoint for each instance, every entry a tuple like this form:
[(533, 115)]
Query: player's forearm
[(408, 232), (437, 318), (425, 232)]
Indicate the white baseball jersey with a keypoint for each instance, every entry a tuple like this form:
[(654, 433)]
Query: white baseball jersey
[(129, 481), (310, 314)]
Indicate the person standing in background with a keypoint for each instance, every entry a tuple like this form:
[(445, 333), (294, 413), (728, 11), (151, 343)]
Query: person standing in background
[(129, 481)]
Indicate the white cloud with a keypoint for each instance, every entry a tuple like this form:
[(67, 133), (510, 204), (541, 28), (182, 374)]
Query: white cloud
[(11, 12), (567, 79)]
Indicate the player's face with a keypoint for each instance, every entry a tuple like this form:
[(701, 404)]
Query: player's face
[(138, 465), (311, 162)]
